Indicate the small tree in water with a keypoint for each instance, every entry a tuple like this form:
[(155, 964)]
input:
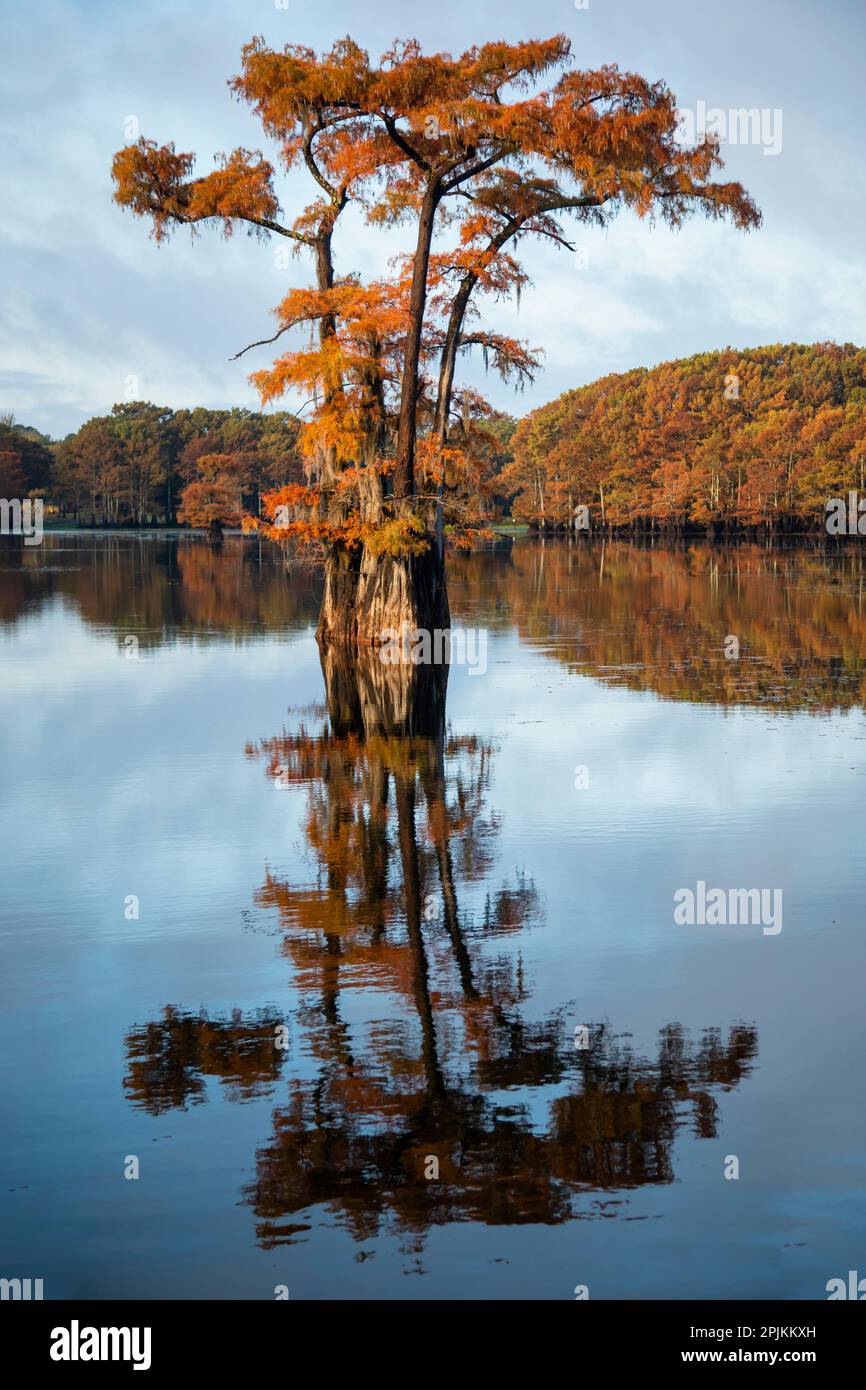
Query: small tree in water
[(212, 501)]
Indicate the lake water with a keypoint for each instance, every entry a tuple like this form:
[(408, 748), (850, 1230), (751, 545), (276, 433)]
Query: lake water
[(380, 1016)]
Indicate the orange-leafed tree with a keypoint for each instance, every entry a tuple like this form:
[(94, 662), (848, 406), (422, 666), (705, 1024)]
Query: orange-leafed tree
[(213, 499), (476, 154)]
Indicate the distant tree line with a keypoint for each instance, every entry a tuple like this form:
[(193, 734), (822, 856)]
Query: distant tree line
[(26, 460), (146, 464), (720, 442)]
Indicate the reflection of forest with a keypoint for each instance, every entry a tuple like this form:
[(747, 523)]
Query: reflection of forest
[(648, 618), (657, 618), (422, 1090), (159, 588)]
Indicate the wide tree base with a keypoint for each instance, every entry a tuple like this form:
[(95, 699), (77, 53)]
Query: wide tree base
[(368, 598)]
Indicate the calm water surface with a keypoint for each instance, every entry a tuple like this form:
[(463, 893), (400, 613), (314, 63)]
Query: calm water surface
[(356, 959)]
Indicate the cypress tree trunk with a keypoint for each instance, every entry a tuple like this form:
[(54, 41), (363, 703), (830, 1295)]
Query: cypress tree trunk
[(404, 590), (337, 615), (367, 596)]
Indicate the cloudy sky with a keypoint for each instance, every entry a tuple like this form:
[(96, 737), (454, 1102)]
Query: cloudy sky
[(93, 311)]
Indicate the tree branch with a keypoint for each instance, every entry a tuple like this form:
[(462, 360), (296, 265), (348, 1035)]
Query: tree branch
[(260, 342), (402, 143)]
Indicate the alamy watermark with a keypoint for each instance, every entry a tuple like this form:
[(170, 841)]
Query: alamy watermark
[(419, 646), (738, 125), (22, 518), (729, 907), (854, 1288), (77, 1343), (846, 520), (21, 1290)]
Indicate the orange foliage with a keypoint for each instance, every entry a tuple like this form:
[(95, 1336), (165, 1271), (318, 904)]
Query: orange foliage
[(474, 143), (756, 438), (212, 501)]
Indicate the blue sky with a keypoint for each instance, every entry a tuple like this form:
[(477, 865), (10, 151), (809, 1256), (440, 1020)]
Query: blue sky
[(93, 310)]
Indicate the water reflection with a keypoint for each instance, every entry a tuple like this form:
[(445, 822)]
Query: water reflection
[(657, 618), (158, 587), (423, 1089), (425, 901), (798, 615), (169, 1060)]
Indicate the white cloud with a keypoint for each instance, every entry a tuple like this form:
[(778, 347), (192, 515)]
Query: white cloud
[(87, 294)]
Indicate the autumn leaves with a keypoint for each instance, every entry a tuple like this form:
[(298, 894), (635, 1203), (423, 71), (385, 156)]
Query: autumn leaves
[(729, 440), (476, 154)]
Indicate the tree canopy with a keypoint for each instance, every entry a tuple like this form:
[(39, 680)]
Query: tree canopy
[(475, 153)]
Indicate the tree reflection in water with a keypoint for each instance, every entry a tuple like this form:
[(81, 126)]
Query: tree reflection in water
[(415, 1052), (647, 618)]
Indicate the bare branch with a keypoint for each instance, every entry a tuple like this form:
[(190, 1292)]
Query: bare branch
[(260, 342)]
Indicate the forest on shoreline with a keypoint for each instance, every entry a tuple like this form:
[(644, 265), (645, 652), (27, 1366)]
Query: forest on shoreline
[(722, 443)]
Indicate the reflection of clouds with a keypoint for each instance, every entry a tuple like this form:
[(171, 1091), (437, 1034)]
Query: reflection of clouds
[(122, 770), (677, 789), (648, 758), (57, 658), (656, 764)]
